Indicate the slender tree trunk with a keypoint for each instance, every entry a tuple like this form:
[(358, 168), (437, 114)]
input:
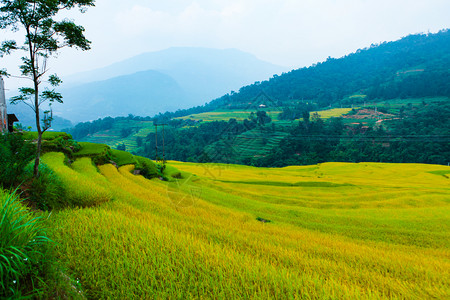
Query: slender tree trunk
[(38, 149), (36, 103), (39, 130)]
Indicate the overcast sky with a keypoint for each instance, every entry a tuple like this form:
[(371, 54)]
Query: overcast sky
[(291, 33)]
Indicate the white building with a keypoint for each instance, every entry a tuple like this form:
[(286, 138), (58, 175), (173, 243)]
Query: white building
[(3, 112)]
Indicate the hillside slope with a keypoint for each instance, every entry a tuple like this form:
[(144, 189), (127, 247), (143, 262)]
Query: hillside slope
[(368, 231), (415, 66)]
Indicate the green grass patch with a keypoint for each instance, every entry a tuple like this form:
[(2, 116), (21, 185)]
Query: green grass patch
[(23, 249), (100, 153), (48, 135), (122, 158)]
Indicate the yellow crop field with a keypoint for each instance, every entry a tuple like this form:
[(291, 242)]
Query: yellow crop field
[(225, 115), (83, 184), (328, 231), (332, 113)]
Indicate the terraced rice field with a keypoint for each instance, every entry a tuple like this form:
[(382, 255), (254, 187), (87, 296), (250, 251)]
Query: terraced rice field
[(252, 143), (331, 113), (336, 231), (225, 115), (112, 137)]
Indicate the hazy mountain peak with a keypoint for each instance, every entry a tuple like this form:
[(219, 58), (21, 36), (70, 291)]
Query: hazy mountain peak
[(197, 74)]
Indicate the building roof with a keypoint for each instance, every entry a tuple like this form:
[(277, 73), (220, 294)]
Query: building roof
[(12, 118)]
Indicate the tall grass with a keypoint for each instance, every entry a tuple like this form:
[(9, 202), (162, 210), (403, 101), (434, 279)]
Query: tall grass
[(46, 191), (23, 245)]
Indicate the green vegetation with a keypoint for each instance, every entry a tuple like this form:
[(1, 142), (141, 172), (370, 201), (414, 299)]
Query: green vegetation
[(24, 258), (15, 154), (381, 131), (377, 73), (44, 36), (402, 132), (46, 192), (122, 158), (55, 141)]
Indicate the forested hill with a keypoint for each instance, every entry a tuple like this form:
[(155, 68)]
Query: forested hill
[(415, 66)]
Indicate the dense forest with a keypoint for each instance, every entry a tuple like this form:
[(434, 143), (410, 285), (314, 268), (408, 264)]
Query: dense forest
[(412, 67), (415, 66), (421, 135)]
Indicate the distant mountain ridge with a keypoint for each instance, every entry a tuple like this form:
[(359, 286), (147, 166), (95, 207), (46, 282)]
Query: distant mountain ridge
[(128, 94), (415, 66), (180, 78)]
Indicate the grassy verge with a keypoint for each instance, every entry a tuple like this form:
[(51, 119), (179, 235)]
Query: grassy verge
[(24, 246)]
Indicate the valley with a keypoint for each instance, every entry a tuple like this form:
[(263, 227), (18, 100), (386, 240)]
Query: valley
[(326, 182)]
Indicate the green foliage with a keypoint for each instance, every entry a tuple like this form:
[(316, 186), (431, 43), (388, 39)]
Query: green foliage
[(122, 158), (23, 249), (47, 191), (62, 144), (189, 144), (44, 36), (48, 135), (55, 142), (405, 133), (420, 136), (15, 154), (414, 66), (148, 168), (100, 153), (121, 147)]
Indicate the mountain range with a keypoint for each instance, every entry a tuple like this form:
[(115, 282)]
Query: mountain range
[(161, 81)]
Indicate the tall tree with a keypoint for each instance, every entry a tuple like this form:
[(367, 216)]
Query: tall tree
[(44, 37)]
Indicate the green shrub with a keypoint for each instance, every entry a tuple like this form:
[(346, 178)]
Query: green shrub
[(61, 144), (47, 191), (15, 154), (48, 135), (123, 158), (100, 153), (147, 168), (55, 142), (172, 173), (23, 249)]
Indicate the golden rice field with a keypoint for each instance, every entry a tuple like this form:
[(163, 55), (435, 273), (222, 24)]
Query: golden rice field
[(240, 115), (225, 115), (332, 113), (337, 231)]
